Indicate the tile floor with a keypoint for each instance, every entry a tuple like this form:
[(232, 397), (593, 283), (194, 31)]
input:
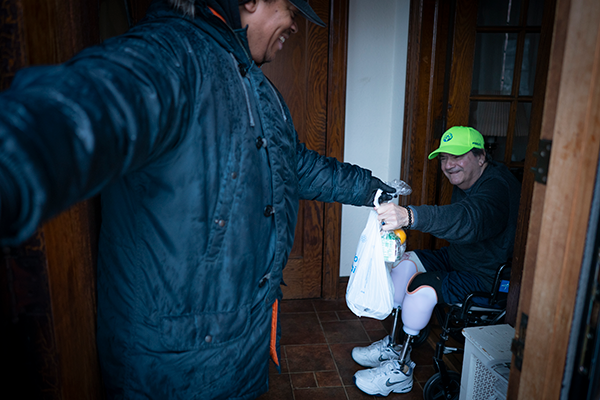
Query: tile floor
[(316, 344)]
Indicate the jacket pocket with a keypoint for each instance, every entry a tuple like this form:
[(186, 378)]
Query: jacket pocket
[(203, 330)]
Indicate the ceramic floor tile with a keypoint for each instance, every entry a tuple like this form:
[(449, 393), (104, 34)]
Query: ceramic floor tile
[(422, 355), (330, 305), (415, 394), (326, 316), (371, 324), (320, 393), (377, 335), (301, 328), (296, 306), (342, 355), (280, 388), (309, 358), (346, 315), (423, 373), (328, 379), (303, 380), (345, 332), (355, 393), (282, 364)]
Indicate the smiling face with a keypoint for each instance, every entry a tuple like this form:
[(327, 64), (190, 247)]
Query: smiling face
[(464, 170), (270, 23)]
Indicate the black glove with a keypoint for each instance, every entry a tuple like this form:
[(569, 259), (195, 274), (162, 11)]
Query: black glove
[(376, 183)]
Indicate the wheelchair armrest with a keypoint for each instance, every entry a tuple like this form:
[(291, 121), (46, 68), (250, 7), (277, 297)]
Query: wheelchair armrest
[(502, 274)]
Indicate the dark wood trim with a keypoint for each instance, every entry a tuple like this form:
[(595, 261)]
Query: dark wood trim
[(50, 279), (71, 249), (463, 52), (336, 115), (136, 10), (12, 41), (424, 112), (342, 285)]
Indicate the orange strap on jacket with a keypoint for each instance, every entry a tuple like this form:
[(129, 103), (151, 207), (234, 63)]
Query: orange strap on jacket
[(217, 14), (273, 347)]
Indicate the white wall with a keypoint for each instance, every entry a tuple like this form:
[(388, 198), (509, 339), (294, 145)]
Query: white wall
[(377, 46)]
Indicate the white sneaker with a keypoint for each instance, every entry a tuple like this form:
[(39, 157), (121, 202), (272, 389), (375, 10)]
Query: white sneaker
[(386, 378), (376, 353)]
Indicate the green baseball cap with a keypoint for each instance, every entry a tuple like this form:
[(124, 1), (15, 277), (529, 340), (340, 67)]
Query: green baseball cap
[(459, 140)]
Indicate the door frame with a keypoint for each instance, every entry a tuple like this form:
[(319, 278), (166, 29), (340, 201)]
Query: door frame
[(561, 209), (336, 117)]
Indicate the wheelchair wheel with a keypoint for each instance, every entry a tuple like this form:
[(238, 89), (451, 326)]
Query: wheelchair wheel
[(434, 388)]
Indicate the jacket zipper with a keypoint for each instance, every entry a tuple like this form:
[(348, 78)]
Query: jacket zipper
[(235, 66), (278, 101)]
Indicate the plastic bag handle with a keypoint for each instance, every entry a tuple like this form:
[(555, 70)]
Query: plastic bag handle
[(376, 198)]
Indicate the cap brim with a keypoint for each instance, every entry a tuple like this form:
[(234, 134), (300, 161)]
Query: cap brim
[(454, 150), (307, 12)]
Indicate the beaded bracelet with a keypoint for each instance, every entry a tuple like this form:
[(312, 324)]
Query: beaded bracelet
[(410, 218)]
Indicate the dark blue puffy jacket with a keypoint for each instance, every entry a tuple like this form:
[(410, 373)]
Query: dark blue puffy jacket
[(200, 172)]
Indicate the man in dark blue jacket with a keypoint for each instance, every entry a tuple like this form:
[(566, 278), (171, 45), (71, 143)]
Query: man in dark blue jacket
[(189, 144)]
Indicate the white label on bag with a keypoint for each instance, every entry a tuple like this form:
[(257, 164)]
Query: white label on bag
[(389, 249)]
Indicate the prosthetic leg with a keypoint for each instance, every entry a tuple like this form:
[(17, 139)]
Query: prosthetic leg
[(416, 312), (401, 275)]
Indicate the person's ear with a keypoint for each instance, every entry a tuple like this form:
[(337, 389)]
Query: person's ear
[(250, 6)]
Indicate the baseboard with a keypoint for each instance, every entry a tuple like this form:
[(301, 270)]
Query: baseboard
[(342, 285)]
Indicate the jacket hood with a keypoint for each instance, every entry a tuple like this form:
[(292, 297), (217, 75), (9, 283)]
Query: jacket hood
[(228, 9)]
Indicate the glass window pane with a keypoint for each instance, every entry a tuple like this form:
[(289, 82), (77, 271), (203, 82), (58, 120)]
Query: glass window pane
[(494, 63), (521, 136), (490, 118), (530, 53), (535, 12), (498, 12)]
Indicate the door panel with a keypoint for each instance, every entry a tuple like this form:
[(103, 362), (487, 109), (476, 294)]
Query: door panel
[(48, 301), (300, 73)]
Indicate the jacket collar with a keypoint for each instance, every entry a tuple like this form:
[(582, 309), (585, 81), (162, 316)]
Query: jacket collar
[(234, 40), (228, 9)]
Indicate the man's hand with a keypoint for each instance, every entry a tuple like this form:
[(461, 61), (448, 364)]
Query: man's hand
[(376, 183), (392, 216)]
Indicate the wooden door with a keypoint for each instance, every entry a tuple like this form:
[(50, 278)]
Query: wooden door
[(310, 74), (48, 300), (561, 209)]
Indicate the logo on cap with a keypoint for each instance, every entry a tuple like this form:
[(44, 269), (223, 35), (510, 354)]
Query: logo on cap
[(448, 137)]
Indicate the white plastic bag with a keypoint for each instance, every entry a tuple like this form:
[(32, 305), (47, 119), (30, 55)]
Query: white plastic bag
[(370, 291)]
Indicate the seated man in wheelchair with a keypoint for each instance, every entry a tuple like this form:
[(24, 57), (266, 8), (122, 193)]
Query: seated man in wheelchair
[(479, 223)]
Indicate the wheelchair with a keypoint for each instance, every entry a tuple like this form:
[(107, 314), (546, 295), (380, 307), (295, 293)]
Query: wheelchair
[(477, 309)]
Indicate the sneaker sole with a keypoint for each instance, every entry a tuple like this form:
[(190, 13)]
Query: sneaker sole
[(405, 389)]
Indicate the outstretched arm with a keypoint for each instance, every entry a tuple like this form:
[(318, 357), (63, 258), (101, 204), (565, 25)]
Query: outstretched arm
[(68, 130)]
